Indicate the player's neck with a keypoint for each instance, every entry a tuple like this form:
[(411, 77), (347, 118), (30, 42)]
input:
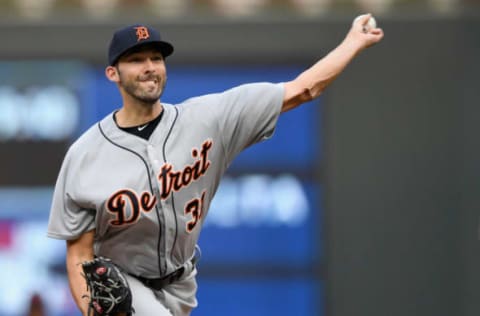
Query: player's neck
[(134, 115)]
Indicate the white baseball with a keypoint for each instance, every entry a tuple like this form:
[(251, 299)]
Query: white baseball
[(371, 24)]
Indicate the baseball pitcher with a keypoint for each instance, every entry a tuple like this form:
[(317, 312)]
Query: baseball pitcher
[(134, 189)]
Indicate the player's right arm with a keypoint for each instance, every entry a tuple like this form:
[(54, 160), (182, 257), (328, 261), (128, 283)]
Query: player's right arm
[(78, 251)]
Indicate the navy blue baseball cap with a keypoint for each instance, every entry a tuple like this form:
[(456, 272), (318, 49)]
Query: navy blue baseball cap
[(134, 36)]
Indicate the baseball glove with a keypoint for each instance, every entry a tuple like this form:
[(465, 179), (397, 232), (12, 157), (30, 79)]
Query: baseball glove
[(109, 290)]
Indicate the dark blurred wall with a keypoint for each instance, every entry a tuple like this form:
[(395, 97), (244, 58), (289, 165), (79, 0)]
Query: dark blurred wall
[(402, 152), (403, 176), (469, 230)]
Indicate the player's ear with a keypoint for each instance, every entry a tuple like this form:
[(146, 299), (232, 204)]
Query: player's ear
[(111, 73)]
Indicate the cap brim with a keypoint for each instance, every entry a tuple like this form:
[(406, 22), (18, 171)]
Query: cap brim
[(165, 48)]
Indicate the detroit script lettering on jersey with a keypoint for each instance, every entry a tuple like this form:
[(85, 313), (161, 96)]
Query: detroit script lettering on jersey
[(169, 180), (176, 180)]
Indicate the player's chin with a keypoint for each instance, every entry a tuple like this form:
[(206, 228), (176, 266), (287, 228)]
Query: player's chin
[(150, 95), (150, 99)]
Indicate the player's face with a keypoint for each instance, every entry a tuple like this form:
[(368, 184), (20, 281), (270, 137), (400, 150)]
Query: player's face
[(142, 75)]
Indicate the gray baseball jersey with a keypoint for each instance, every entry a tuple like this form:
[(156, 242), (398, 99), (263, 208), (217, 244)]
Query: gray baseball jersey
[(147, 200)]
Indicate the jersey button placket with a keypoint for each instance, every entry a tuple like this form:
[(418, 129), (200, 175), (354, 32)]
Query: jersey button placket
[(154, 163), (170, 229)]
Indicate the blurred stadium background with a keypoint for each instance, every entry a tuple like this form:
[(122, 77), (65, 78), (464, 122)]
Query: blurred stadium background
[(365, 202)]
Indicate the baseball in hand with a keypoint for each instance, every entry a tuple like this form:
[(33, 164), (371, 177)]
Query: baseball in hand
[(371, 24)]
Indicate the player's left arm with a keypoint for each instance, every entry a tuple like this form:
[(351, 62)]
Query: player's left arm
[(313, 81)]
